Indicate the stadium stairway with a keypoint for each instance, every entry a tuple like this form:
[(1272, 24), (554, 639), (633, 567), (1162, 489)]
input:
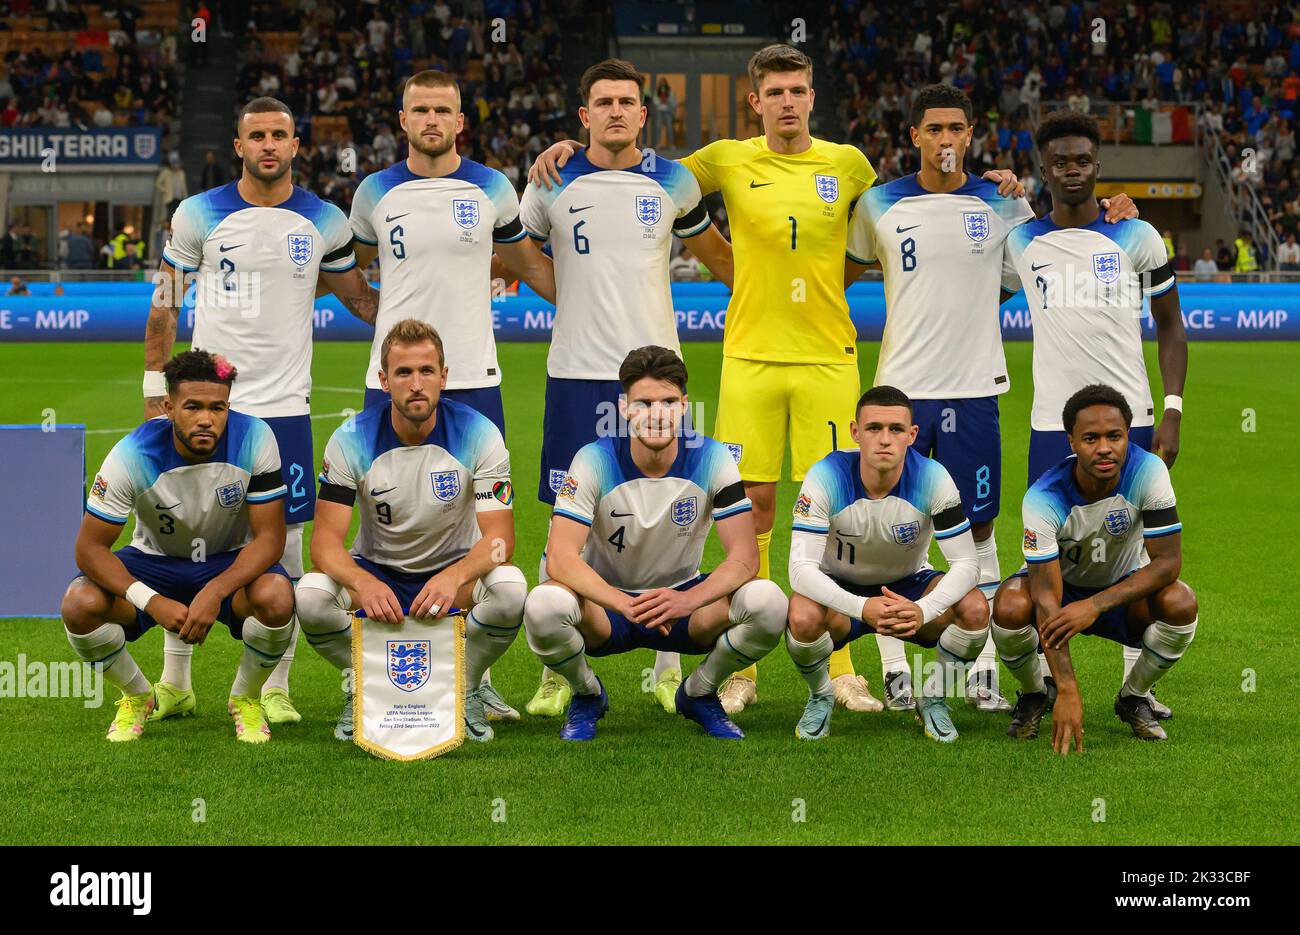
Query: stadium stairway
[(210, 102)]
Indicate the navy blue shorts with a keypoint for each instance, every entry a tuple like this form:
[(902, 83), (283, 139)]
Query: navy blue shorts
[(912, 587), (575, 410), (1048, 449), (485, 400), (971, 448), (181, 580), (1113, 625), (625, 636), (297, 457), (404, 584)]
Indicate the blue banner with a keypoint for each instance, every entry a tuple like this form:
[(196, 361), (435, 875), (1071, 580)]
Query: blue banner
[(69, 146), (117, 312)]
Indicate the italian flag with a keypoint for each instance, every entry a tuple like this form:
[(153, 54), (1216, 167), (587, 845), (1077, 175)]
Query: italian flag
[(1163, 126)]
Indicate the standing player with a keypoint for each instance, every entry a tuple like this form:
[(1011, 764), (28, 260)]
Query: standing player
[(256, 246), (1091, 524), (433, 220), (430, 478), (204, 487), (630, 523), (879, 505), (938, 236), (1085, 280), (610, 223)]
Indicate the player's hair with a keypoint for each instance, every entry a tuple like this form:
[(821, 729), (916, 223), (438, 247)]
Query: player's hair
[(407, 332), (1095, 394), (943, 96), (198, 367), (431, 78), (1062, 123), (263, 105), (612, 69), (774, 58), (658, 363), (883, 396)]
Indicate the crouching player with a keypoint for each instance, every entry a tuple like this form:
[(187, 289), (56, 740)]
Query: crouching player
[(862, 526), (1087, 521), (628, 530), (204, 485), (431, 480)]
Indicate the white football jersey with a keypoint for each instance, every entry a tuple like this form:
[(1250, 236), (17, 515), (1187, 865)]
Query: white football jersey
[(178, 502), (1084, 287), (610, 239), (418, 503), (649, 532), (257, 270), (945, 267), (435, 238), (871, 542), (1099, 543)]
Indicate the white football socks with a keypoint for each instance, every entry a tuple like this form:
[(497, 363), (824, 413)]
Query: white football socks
[(106, 647)]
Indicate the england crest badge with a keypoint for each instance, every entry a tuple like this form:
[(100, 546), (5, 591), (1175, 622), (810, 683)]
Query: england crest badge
[(906, 533), (465, 212), (735, 450), (1106, 266), (649, 209), (828, 188), (446, 484), (231, 495), (556, 479), (684, 511), (976, 224), (408, 663), (1118, 522), (146, 146), (301, 248)]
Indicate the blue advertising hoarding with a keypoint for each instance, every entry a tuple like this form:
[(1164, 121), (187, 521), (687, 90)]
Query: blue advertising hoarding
[(71, 146), (117, 312)]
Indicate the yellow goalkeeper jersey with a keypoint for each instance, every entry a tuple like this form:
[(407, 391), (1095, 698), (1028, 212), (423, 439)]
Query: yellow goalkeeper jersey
[(789, 218)]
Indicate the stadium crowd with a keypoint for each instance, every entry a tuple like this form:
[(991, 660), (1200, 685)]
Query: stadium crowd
[(1245, 72), (351, 58)]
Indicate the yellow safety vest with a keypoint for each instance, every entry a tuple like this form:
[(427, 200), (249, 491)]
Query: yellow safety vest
[(1246, 262)]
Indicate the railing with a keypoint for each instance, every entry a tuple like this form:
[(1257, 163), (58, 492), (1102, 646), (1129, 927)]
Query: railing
[(1243, 205)]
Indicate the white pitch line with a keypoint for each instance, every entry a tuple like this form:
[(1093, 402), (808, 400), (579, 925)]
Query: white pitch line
[(315, 415)]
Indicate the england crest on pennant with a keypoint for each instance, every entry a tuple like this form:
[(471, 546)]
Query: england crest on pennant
[(649, 209), (465, 212), (300, 248), (408, 663), (683, 511), (828, 188), (446, 484), (1106, 266), (1118, 522), (976, 224), (906, 533)]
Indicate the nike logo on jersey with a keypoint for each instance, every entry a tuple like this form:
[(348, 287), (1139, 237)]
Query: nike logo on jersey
[(573, 210), (234, 246), (1037, 266), (756, 184), (617, 515), (376, 493), (159, 506), (904, 230), (979, 506), (295, 509), (388, 220)]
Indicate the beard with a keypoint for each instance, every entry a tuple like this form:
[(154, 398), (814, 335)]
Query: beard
[(255, 170), (433, 152)]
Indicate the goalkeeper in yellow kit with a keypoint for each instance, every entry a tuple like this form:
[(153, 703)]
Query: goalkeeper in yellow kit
[(790, 361)]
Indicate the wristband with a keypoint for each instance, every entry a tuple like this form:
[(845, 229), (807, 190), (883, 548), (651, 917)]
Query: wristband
[(155, 384), (139, 594), (1174, 402)]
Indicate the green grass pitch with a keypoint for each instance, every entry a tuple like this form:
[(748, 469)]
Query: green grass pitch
[(1226, 776)]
